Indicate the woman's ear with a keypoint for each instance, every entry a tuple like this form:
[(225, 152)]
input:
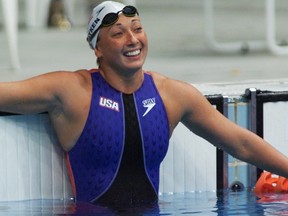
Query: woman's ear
[(97, 51)]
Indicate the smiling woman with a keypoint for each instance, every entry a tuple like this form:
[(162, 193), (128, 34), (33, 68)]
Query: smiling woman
[(122, 45), (115, 121)]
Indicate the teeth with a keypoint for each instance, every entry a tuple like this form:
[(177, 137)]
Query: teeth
[(133, 53)]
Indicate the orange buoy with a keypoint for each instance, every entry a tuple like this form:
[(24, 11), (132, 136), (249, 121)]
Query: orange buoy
[(266, 183), (282, 185)]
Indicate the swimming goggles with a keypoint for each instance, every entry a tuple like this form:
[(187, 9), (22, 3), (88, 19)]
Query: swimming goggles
[(111, 18)]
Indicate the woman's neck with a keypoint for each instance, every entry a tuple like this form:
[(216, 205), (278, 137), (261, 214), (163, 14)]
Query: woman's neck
[(127, 82)]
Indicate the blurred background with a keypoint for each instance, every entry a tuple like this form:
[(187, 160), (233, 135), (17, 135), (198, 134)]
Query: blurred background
[(220, 46)]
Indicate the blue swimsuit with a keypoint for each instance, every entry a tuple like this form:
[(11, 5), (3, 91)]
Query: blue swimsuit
[(101, 158)]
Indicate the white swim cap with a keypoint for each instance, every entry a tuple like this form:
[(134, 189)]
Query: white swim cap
[(99, 12)]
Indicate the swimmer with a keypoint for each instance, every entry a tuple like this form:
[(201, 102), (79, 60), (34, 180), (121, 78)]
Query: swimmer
[(115, 121)]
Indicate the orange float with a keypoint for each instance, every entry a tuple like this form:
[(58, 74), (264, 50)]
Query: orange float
[(271, 183)]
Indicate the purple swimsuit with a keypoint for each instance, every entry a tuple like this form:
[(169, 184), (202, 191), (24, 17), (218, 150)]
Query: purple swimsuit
[(95, 160)]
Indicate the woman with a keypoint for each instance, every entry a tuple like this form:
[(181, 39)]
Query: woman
[(115, 121)]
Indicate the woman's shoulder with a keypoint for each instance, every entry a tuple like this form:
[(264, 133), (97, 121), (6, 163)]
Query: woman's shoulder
[(170, 84)]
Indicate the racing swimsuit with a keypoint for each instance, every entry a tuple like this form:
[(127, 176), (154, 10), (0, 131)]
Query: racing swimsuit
[(124, 140)]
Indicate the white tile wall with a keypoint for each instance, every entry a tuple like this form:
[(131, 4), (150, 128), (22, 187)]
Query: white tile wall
[(190, 164), (32, 164)]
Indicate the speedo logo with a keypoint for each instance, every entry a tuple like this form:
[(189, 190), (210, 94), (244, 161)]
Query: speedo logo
[(108, 103), (149, 104)]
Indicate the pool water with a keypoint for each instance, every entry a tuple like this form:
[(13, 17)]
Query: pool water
[(190, 203)]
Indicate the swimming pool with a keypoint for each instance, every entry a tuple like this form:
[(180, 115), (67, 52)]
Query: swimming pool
[(190, 203), (39, 175)]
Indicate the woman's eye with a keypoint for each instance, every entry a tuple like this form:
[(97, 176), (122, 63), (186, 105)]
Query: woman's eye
[(138, 29), (117, 34)]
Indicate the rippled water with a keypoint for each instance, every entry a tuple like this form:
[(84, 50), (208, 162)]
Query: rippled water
[(198, 203)]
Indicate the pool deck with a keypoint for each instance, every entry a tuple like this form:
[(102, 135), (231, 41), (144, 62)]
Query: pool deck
[(177, 47)]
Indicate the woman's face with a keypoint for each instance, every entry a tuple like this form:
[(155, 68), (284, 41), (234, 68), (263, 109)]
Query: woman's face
[(124, 45)]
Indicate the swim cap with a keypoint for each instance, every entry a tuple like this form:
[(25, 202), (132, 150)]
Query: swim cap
[(99, 12)]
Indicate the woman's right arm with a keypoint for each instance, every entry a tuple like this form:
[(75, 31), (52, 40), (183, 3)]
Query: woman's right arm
[(34, 95)]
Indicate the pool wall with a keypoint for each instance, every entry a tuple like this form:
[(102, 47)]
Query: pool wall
[(33, 164), (191, 162)]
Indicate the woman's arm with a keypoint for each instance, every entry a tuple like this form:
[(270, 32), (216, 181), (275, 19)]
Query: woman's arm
[(199, 116), (34, 95)]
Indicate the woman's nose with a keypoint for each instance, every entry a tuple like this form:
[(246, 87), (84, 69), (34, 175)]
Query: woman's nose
[(131, 38)]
